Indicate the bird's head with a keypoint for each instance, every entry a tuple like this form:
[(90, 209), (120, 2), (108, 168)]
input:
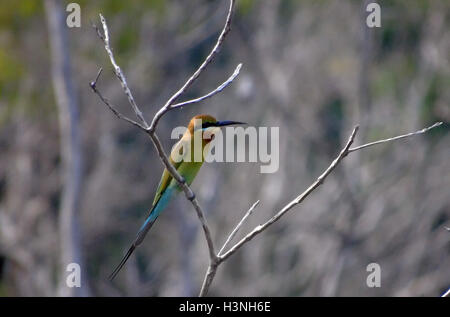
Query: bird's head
[(208, 125)]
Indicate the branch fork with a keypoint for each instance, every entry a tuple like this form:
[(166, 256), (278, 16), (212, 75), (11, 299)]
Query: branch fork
[(216, 259)]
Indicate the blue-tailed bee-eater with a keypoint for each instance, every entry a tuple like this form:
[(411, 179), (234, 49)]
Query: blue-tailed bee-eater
[(187, 157)]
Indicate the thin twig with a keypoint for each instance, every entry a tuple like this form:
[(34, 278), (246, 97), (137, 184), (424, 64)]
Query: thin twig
[(294, 202), (212, 268), (200, 69), (395, 138), (238, 226), (208, 59), (119, 73), (93, 85), (212, 93)]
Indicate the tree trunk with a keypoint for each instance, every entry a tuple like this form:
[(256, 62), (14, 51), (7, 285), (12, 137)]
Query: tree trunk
[(71, 167)]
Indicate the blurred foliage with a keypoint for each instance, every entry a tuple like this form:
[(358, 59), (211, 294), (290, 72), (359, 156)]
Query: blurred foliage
[(15, 15), (12, 71)]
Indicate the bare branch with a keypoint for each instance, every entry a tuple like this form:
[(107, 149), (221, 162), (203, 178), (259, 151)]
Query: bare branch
[(316, 184), (294, 202), (209, 277), (212, 93), (201, 68), (208, 59), (437, 124), (93, 85), (212, 268), (119, 73), (211, 272), (238, 226)]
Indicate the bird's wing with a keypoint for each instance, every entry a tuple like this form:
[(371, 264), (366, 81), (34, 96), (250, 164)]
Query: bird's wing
[(166, 177)]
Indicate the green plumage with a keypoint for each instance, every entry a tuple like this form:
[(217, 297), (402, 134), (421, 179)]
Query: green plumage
[(183, 157)]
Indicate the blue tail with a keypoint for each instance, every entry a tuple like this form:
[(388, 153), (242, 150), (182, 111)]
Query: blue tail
[(154, 213)]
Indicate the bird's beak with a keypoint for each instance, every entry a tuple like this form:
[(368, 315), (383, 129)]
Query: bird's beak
[(227, 122)]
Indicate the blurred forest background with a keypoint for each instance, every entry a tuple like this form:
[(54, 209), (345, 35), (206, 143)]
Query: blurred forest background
[(310, 67)]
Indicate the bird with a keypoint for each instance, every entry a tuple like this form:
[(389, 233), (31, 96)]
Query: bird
[(187, 160)]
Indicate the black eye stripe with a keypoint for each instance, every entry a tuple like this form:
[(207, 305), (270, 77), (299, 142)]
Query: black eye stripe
[(207, 125)]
